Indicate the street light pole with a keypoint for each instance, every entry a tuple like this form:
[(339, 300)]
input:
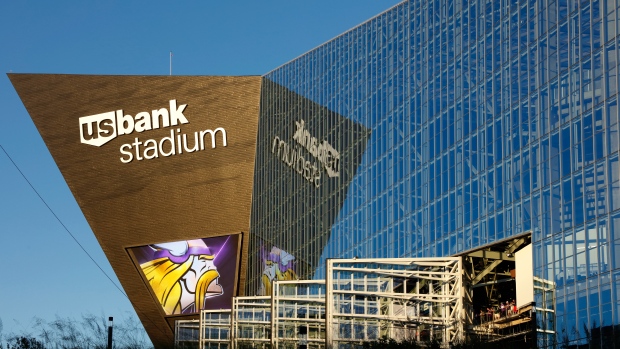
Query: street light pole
[(110, 322)]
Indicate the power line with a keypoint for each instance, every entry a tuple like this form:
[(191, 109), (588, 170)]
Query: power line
[(75, 239)]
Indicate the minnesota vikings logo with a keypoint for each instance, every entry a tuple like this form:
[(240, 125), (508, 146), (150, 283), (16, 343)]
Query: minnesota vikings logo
[(278, 265), (182, 275)]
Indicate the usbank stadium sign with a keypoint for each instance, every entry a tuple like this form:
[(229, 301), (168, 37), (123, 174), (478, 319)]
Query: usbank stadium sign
[(309, 163), (99, 129)]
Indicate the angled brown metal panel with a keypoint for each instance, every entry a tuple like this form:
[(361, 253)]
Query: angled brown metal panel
[(182, 196)]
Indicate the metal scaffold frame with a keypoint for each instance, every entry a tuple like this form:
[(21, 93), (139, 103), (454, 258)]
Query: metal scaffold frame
[(212, 331), (187, 333), (215, 329), (298, 309), (361, 300), (251, 322), (400, 298)]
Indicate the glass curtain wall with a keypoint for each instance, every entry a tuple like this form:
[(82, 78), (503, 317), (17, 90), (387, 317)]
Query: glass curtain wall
[(486, 119)]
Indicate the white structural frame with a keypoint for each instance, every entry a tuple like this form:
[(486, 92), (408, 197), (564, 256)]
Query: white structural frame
[(185, 333), (215, 328), (297, 307), (402, 298), (360, 300), (251, 324)]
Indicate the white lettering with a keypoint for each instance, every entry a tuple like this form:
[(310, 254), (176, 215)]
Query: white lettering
[(167, 146), (97, 129), (172, 147), (101, 128), (165, 117), (150, 146), (195, 147), (179, 148), (125, 152), (176, 114), (124, 123), (137, 144), (143, 122), (213, 134)]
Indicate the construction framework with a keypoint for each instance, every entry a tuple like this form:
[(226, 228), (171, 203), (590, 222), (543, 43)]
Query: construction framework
[(298, 310), (212, 331), (361, 300), (187, 333), (251, 322), (400, 298)]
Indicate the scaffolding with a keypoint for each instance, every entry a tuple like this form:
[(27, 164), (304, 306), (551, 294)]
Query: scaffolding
[(215, 329), (402, 298), (251, 322), (212, 331), (187, 334), (362, 300), (299, 314)]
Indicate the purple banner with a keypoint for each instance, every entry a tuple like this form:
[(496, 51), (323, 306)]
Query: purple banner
[(191, 275)]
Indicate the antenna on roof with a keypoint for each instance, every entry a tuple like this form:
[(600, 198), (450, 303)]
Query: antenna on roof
[(170, 62)]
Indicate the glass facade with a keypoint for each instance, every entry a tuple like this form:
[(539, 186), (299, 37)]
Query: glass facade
[(452, 125)]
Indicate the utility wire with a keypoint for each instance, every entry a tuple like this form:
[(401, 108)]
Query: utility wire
[(75, 239)]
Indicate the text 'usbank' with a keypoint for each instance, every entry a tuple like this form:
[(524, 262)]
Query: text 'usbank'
[(99, 129)]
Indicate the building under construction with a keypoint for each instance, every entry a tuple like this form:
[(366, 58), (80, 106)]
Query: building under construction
[(422, 170), (447, 300)]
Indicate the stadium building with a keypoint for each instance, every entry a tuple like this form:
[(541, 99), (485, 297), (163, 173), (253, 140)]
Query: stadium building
[(476, 140)]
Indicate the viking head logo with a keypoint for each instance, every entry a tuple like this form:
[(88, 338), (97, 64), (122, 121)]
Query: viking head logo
[(182, 275)]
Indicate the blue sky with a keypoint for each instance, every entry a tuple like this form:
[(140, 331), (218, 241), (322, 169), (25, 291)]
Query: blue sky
[(43, 272)]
